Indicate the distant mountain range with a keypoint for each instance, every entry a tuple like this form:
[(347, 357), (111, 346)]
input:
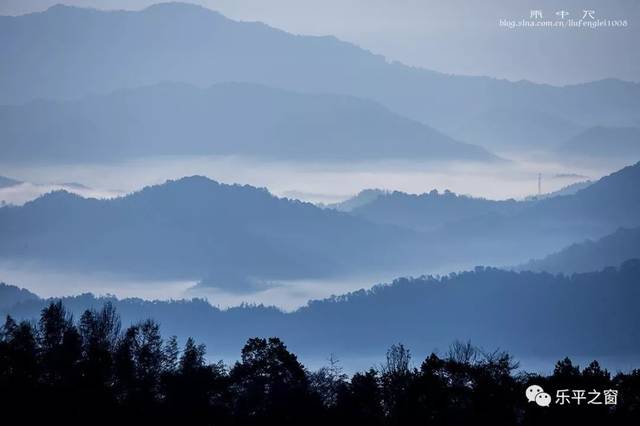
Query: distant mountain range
[(231, 235), (595, 211), (431, 210), (195, 228), (491, 232), (598, 144), (363, 204), (573, 206), (67, 52), (532, 314), (362, 198), (589, 255), (12, 295), (225, 119), (531, 129), (6, 182)]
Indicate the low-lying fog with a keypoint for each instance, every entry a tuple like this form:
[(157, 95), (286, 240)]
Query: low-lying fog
[(286, 295), (310, 182), (315, 182)]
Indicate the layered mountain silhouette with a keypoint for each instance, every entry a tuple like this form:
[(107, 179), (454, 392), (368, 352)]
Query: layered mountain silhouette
[(196, 228), (601, 143), (430, 210), (225, 119), (67, 52), (493, 232), (590, 255), (362, 198), (593, 212), (11, 295), (6, 182), (229, 235), (534, 314), (520, 128)]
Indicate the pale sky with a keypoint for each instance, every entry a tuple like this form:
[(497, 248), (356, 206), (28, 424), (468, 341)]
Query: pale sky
[(452, 36)]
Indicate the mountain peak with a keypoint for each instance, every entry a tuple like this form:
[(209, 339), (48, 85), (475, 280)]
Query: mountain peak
[(188, 120), (194, 180), (58, 195), (66, 9), (62, 7), (182, 8), (167, 9), (198, 189)]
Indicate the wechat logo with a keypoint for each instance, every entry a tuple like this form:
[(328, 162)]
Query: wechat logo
[(536, 394)]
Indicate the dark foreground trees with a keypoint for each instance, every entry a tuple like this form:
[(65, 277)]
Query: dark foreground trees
[(91, 371)]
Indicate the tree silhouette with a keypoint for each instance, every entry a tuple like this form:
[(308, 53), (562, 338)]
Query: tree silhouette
[(328, 381), (270, 383), (58, 371), (360, 402)]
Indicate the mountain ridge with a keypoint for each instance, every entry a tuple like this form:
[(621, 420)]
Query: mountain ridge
[(181, 119), (590, 255), (223, 235), (477, 305), (600, 143), (195, 45), (196, 228)]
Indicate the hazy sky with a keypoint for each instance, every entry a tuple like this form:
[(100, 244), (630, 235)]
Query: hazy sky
[(453, 36)]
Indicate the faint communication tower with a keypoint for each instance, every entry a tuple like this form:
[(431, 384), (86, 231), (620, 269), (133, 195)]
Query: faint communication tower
[(539, 185)]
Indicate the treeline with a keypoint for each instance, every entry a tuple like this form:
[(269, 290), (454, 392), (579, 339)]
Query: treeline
[(92, 371)]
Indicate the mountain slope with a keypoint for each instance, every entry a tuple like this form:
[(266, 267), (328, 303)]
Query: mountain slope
[(227, 119), (362, 198), (520, 127), (547, 225), (234, 236), (431, 210), (601, 143), (195, 228), (11, 295), (614, 199), (6, 182), (533, 314), (83, 51), (589, 255), (565, 190)]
